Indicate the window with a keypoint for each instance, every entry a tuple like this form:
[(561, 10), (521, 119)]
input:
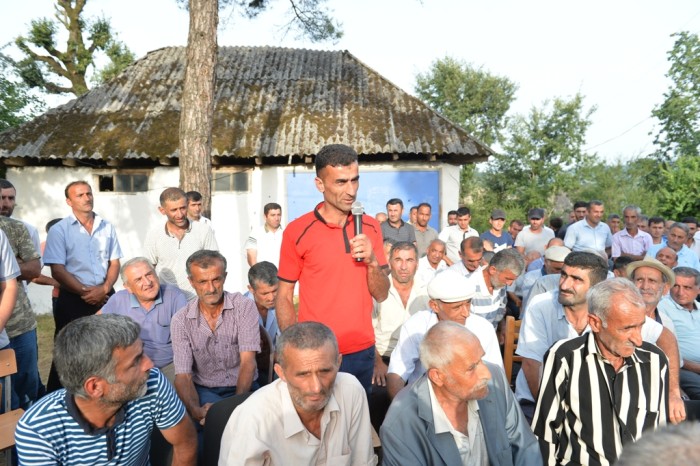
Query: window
[(238, 182), (122, 182)]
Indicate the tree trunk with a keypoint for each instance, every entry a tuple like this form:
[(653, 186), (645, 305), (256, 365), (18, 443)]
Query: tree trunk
[(196, 118)]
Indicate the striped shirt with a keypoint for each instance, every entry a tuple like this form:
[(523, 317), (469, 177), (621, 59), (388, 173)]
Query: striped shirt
[(54, 432), (586, 411), (490, 306)]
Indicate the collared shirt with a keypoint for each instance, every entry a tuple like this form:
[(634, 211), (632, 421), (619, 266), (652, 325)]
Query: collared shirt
[(168, 254), (9, 269), (85, 255), (426, 272), (49, 433), (544, 324), (687, 324), (22, 319), (686, 257), (404, 232), (534, 241), (586, 410), (405, 361), (637, 245), (489, 305), (213, 358), (266, 429), (154, 322), (461, 269), (472, 447), (267, 243), (581, 235), (390, 314), (424, 238), (270, 324), (453, 237)]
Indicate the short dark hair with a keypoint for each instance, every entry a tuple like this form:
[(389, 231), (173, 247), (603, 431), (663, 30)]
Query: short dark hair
[(193, 196), (593, 202), (621, 262), (688, 272), (425, 204), (579, 204), (462, 211), (402, 246), (304, 335), (75, 183), (473, 243), (516, 222), (5, 184), (394, 201), (171, 194), (264, 272), (271, 206), (688, 220), (556, 222), (597, 266), (451, 212), (657, 220), (335, 155), (204, 259), (612, 216)]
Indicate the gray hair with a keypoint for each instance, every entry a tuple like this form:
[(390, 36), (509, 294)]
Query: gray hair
[(305, 335), (437, 349), (508, 259), (263, 272), (85, 347), (682, 226), (688, 272), (672, 445), (603, 295), (634, 208), (204, 259), (134, 261)]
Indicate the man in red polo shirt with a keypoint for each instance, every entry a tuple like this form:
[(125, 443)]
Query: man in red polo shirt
[(319, 250)]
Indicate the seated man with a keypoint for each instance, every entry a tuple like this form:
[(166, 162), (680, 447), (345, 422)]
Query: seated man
[(432, 263), (312, 414), (215, 338), (461, 411), (112, 400), (490, 283), (450, 299), (152, 306), (602, 389), (262, 288)]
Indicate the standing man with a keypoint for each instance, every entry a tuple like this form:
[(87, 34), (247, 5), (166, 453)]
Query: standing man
[(425, 234), (152, 306), (578, 213), (678, 234), (614, 223), (215, 338), (194, 208), (657, 226), (500, 239), (412, 215), (631, 242), (608, 380), (265, 241), (455, 234), (591, 232), (535, 237), (83, 252), (9, 271), (451, 218), (515, 227), (471, 255), (432, 263), (168, 246), (112, 402), (338, 272), (395, 230)]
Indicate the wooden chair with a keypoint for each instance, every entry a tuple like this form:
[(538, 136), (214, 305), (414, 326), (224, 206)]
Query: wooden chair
[(8, 420), (510, 345)]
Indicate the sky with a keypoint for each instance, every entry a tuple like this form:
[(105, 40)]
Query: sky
[(613, 52)]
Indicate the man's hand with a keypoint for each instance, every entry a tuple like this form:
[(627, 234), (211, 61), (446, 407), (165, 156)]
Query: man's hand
[(201, 413), (379, 375), (94, 295), (361, 248), (676, 409)]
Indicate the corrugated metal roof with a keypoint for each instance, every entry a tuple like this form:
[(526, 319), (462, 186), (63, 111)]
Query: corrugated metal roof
[(270, 102)]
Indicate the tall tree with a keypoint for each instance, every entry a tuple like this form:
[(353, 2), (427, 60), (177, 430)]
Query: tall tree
[(542, 152), (196, 119), (17, 104), (43, 62), (679, 190), (679, 114)]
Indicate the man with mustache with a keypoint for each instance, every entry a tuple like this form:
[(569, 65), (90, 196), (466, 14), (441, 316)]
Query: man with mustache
[(113, 400), (461, 411), (602, 389), (312, 414)]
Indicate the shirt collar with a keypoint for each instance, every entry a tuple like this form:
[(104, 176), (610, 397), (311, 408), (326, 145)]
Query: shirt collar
[(135, 304), (189, 228), (440, 421), (291, 423)]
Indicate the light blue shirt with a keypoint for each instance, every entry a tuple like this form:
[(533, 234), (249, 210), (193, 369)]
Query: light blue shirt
[(687, 324), (9, 269), (270, 324), (686, 256), (85, 256), (581, 236)]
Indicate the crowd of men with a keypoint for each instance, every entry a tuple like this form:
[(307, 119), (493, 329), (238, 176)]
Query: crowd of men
[(398, 329)]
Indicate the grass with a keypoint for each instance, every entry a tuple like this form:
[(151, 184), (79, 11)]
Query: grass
[(45, 328)]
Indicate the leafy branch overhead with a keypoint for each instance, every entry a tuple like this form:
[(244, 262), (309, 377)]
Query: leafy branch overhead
[(58, 71)]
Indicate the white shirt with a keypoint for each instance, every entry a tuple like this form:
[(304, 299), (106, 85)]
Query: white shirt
[(267, 243), (453, 237), (389, 315), (426, 272), (405, 361)]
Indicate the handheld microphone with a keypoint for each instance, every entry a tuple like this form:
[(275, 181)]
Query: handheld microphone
[(357, 211)]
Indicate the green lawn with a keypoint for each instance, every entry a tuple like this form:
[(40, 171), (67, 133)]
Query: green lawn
[(45, 329)]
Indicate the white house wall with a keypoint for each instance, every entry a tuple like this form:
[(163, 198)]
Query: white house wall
[(40, 198)]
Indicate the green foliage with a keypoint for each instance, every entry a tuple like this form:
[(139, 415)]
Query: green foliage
[(679, 193), (17, 104), (46, 67), (679, 114)]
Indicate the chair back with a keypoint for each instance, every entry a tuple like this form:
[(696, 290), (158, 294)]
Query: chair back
[(214, 425), (510, 345), (265, 358), (9, 419)]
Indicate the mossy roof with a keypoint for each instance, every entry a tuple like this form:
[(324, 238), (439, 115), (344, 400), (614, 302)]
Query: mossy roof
[(276, 104)]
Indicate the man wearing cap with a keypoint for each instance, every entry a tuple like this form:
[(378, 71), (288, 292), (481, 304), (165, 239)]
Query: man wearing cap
[(450, 299), (590, 233), (535, 236), (562, 315), (500, 239), (553, 262), (454, 235), (425, 234), (631, 242), (653, 280), (471, 255)]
